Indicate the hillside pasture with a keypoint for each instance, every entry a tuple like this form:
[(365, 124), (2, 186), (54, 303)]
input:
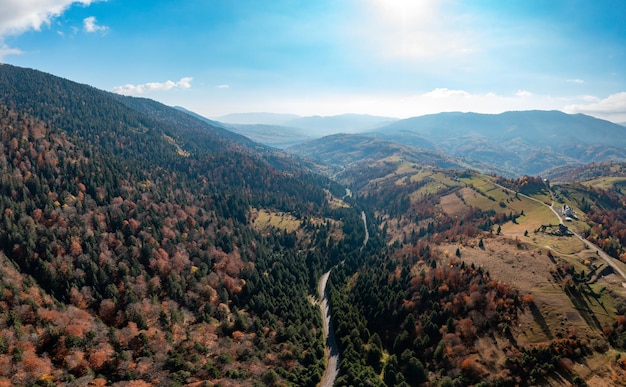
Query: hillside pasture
[(266, 220), (555, 312), (607, 183)]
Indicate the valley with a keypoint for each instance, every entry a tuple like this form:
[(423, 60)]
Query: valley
[(145, 245)]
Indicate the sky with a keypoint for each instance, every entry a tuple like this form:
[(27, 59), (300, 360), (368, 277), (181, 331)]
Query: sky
[(395, 58)]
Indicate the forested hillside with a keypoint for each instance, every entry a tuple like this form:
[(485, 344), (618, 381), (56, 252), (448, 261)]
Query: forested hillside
[(129, 251)]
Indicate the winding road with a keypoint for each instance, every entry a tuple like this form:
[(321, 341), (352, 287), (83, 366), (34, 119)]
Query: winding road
[(367, 234), (332, 349), (607, 258)]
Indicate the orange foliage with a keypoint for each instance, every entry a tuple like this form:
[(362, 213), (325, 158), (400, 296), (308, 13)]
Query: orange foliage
[(138, 383), (99, 382), (75, 360), (468, 364), (467, 328), (36, 365), (75, 247), (234, 285), (48, 315), (238, 336), (107, 311), (77, 299), (101, 355)]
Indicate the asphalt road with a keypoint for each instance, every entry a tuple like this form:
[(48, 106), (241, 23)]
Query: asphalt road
[(332, 350), (332, 366)]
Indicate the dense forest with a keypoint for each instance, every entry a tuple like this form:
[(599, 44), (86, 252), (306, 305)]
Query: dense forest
[(129, 252)]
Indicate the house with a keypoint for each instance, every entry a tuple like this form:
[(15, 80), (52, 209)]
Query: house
[(567, 211)]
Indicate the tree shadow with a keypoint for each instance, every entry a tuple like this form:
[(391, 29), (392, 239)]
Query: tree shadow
[(540, 320), (583, 308)]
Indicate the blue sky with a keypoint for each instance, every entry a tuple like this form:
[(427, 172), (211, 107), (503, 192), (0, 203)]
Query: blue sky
[(397, 58)]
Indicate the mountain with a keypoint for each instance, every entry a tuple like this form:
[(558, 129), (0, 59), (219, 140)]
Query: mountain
[(344, 123), (257, 118), (267, 134), (138, 243), (202, 118), (525, 142), (273, 135), (339, 152), (315, 126)]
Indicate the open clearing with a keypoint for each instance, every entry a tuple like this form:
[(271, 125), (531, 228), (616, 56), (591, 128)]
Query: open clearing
[(527, 268)]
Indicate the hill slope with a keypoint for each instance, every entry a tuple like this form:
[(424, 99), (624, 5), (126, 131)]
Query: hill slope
[(480, 284), (132, 247)]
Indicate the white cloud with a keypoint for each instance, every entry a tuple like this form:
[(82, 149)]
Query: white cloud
[(129, 89), (576, 81), (442, 92), (611, 108), (6, 50), (523, 93), (90, 25), (223, 86), (18, 16)]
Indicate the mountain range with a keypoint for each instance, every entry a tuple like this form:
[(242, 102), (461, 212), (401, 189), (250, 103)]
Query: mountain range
[(525, 142), (511, 143)]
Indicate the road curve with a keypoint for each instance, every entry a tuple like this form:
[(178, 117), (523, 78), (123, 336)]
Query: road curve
[(367, 234), (607, 258), (332, 349), (332, 366)]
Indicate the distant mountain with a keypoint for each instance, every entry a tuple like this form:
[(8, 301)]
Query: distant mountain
[(257, 118), (345, 123), (524, 142), (202, 118), (276, 136), (315, 126), (273, 135)]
